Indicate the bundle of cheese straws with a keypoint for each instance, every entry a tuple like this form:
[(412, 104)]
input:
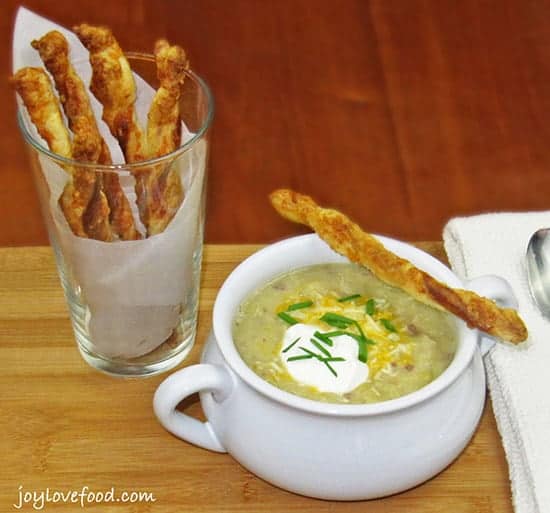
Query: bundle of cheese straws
[(94, 203), (114, 228)]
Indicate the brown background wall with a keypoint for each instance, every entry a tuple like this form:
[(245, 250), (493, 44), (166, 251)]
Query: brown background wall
[(400, 113)]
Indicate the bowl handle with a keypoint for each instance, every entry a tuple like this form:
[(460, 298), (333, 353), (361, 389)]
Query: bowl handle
[(498, 289), (181, 384)]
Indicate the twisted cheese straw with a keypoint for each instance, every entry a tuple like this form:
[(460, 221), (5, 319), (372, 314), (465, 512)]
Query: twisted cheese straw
[(164, 188), (347, 238), (35, 89), (88, 145), (158, 188), (113, 85)]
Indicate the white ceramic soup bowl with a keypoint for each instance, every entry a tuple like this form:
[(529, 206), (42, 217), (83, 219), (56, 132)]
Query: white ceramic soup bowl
[(329, 451)]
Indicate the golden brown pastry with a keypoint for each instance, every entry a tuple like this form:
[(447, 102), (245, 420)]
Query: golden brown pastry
[(113, 85), (347, 238), (86, 195), (108, 213), (54, 52), (35, 89), (94, 203), (83, 192), (163, 121), (164, 191), (120, 217)]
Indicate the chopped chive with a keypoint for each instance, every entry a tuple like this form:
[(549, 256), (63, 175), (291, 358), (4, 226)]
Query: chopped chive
[(337, 321), (298, 306), (333, 359), (307, 351), (287, 318), (362, 342), (370, 306), (355, 336), (348, 298), (323, 338), (363, 353), (335, 333), (388, 325), (359, 338), (359, 329), (320, 347), (291, 345), (300, 357), (329, 366)]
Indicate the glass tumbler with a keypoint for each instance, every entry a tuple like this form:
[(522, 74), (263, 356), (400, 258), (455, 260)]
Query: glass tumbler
[(133, 304)]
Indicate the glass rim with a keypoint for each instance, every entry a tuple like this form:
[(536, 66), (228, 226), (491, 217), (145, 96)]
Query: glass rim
[(37, 145)]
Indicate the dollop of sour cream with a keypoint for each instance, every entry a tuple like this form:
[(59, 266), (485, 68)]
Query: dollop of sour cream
[(347, 372)]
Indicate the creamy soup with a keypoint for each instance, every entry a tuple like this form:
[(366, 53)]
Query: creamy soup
[(335, 333)]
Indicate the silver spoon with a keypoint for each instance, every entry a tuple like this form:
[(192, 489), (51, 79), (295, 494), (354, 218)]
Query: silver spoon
[(538, 269)]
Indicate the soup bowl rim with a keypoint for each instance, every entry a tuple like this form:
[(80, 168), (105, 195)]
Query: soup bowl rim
[(223, 319)]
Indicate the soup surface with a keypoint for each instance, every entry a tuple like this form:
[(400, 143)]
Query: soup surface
[(335, 333)]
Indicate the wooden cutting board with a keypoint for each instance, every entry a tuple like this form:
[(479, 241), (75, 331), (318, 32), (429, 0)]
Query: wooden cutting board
[(68, 428)]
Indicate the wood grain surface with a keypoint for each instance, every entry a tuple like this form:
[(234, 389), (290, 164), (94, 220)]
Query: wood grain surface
[(65, 426), (403, 113)]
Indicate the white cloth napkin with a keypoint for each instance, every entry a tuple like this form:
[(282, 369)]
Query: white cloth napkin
[(518, 377)]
